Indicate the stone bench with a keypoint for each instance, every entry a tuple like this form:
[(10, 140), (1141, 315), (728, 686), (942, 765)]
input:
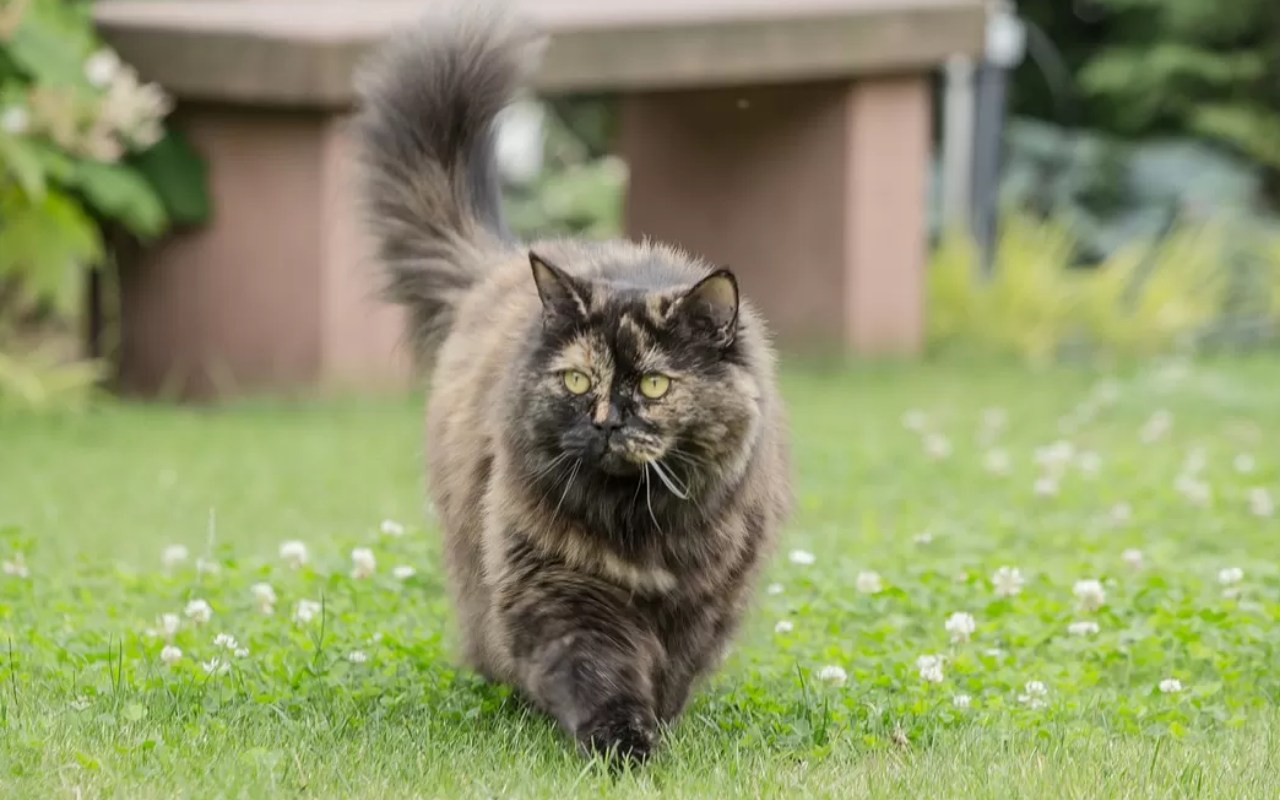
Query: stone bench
[(788, 139)]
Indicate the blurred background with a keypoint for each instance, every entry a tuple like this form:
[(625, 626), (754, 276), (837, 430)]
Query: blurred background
[(1047, 180)]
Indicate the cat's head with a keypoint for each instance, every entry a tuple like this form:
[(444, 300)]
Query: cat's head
[(629, 385)]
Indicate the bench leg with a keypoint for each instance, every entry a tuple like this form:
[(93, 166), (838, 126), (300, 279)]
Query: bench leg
[(814, 194), (276, 293)]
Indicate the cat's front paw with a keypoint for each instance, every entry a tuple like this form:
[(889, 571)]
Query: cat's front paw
[(623, 730)]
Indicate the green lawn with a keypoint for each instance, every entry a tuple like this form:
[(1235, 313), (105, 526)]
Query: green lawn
[(88, 707)]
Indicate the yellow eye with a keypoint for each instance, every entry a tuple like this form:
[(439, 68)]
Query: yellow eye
[(654, 385), (576, 382)]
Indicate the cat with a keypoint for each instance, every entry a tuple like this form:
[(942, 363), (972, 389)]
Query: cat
[(605, 439)]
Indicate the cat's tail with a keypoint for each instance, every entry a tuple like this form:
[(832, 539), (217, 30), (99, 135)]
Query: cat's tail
[(424, 133)]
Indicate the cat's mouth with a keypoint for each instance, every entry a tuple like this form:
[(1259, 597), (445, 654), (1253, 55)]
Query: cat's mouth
[(626, 459), (619, 463)]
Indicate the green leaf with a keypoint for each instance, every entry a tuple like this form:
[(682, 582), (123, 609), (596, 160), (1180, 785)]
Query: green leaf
[(178, 175), (49, 47), (22, 161), (48, 245), (119, 193)]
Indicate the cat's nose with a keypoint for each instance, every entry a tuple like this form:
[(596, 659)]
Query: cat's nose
[(608, 422), (608, 425)]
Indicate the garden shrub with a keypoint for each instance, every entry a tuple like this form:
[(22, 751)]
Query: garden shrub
[(83, 154), (1212, 284)]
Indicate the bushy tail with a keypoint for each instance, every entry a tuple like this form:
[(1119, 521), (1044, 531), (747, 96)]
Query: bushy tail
[(424, 130)]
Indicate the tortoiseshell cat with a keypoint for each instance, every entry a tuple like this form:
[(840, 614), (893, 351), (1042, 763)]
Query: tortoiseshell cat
[(605, 440)]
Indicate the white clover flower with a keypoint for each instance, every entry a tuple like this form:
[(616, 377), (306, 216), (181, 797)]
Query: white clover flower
[(923, 538), (241, 652), (207, 566), (1194, 490), (1120, 513), (868, 582), (390, 527), (961, 626), (357, 657), (1007, 581), (802, 557), (1156, 427), (1046, 486), (936, 446), (993, 652), (1089, 463), (784, 626), (173, 555), (994, 419), (305, 611), (930, 668), (997, 462), (363, 563), (1132, 558), (832, 675), (915, 420), (15, 120), (1170, 686), (1054, 458), (1260, 502), (101, 68), (225, 640), (170, 655), (1086, 627), (264, 596), (215, 666), (1106, 392), (169, 624), (1244, 463), (198, 611), (1230, 576), (961, 701), (1090, 594), (16, 567), (404, 572), (774, 588), (294, 553), (1035, 695)]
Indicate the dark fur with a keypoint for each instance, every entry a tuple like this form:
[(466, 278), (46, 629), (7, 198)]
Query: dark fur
[(601, 547)]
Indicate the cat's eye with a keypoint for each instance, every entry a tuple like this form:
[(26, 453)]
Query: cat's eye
[(654, 385), (576, 382)]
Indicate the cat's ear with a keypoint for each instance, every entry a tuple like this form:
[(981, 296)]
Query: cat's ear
[(562, 295), (711, 306)]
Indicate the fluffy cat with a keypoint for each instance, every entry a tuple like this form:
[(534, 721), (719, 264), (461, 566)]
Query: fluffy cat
[(606, 443)]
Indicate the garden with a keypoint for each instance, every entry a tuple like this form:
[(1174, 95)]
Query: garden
[(996, 584)]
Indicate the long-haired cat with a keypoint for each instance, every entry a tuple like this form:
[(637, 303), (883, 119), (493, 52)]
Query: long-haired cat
[(605, 440)]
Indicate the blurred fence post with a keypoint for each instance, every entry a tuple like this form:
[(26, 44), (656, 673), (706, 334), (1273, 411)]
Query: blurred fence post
[(1005, 46), (957, 143)]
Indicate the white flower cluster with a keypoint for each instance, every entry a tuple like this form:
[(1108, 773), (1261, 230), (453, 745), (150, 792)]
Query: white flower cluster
[(124, 114)]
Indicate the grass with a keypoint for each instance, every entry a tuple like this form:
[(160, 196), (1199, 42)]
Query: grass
[(89, 709)]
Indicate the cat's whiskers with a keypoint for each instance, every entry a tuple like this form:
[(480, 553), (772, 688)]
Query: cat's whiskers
[(669, 479), (555, 462), (648, 498), (577, 465), (558, 464), (688, 458)]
